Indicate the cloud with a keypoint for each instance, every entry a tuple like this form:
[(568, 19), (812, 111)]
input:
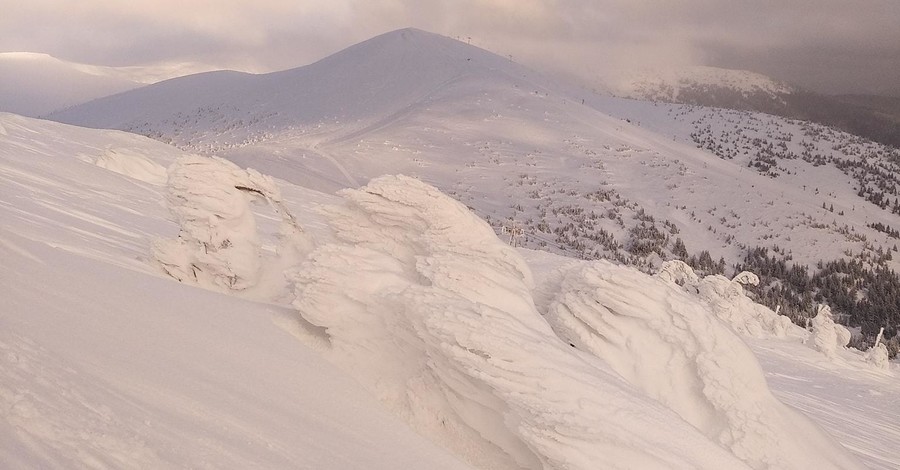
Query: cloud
[(829, 43)]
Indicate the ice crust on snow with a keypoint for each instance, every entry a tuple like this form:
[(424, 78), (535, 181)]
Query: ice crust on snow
[(424, 305), (673, 348)]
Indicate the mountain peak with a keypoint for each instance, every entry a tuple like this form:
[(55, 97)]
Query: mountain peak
[(363, 83)]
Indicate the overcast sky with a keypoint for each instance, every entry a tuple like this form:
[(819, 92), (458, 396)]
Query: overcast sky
[(828, 45)]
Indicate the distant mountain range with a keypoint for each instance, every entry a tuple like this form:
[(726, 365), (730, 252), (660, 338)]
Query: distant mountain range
[(34, 84), (873, 117), (37, 84)]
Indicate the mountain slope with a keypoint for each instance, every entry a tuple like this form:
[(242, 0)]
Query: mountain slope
[(347, 91), (546, 165), (108, 363)]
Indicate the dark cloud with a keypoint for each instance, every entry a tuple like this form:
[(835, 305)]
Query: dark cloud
[(831, 45)]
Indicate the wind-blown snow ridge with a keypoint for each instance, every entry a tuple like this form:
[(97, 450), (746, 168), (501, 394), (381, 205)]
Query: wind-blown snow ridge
[(427, 307)]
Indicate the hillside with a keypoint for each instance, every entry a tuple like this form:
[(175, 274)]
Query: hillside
[(37, 84), (362, 317), (547, 165)]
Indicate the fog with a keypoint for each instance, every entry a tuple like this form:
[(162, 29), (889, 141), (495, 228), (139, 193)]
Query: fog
[(827, 45)]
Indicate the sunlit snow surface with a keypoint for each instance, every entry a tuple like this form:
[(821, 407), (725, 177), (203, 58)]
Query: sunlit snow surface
[(107, 363)]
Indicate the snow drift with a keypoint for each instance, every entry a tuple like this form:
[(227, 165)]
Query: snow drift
[(421, 301)]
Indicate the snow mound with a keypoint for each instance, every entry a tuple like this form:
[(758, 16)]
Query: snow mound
[(425, 306), (134, 166), (661, 340), (218, 245)]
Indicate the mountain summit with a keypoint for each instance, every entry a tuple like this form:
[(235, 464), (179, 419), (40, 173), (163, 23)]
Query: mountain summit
[(362, 83)]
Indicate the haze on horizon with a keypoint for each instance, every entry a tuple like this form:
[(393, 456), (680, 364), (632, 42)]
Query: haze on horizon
[(831, 46)]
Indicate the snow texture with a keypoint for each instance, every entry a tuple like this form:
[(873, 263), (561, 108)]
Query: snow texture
[(664, 342)]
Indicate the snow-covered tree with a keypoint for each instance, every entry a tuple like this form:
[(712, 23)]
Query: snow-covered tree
[(827, 336), (218, 245)]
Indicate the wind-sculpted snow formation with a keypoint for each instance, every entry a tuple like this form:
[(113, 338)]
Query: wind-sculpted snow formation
[(673, 348), (422, 303), (219, 244), (727, 300)]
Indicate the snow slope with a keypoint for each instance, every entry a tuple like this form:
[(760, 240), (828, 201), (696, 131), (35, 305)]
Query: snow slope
[(106, 363), (408, 293)]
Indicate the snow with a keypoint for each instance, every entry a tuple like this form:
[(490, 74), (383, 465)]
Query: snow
[(406, 334), (108, 363), (523, 151), (135, 166), (827, 336), (433, 313), (668, 345)]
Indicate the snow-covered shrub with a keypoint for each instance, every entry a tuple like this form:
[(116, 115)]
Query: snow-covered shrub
[(663, 341), (424, 305), (827, 336), (218, 244), (727, 300), (878, 356), (678, 272)]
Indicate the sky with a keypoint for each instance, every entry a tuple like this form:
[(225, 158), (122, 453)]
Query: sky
[(833, 46)]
